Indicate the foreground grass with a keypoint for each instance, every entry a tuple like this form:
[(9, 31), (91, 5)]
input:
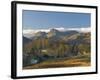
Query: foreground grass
[(62, 62)]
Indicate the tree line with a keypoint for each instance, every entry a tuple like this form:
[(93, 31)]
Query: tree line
[(45, 47)]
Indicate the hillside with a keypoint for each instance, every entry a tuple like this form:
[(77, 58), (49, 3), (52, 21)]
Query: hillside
[(26, 40), (56, 44)]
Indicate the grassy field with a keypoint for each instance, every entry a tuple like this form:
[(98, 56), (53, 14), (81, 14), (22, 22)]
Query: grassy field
[(62, 62)]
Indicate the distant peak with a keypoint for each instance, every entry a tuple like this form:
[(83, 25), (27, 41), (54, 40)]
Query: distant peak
[(53, 30)]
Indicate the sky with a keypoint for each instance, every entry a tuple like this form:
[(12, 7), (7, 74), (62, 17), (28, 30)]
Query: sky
[(44, 20)]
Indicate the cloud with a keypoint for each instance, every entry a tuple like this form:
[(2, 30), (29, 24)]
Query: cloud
[(60, 29), (88, 29), (32, 31), (27, 31)]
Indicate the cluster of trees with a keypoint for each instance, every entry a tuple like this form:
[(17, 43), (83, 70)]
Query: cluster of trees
[(44, 47), (51, 48)]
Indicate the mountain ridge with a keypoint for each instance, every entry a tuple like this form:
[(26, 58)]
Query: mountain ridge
[(30, 33)]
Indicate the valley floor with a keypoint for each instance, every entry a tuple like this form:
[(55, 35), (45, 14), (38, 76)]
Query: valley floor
[(62, 62)]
